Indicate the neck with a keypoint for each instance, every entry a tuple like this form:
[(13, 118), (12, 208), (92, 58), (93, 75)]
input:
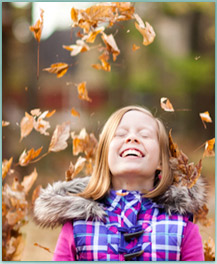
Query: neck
[(132, 183)]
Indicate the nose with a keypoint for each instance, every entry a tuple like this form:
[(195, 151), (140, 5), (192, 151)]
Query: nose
[(132, 139)]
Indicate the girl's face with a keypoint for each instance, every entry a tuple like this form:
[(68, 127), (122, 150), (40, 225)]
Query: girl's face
[(134, 150)]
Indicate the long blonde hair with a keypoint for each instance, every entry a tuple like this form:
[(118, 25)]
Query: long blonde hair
[(100, 181)]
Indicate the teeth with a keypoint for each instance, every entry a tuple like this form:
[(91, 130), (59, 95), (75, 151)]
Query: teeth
[(131, 152)]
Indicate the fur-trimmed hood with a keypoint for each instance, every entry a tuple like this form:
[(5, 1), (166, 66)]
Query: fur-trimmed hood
[(56, 204)]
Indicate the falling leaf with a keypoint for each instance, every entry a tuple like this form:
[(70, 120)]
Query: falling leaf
[(166, 105), (26, 157), (5, 123), (201, 216), (92, 35), (197, 58), (59, 137), (111, 45), (209, 148), (26, 125), (45, 248), (42, 125), (80, 46), (74, 170), (36, 193), (135, 47), (74, 112), (29, 180), (20, 245), (37, 28), (205, 117), (59, 69), (49, 114), (6, 165), (74, 14), (82, 92), (146, 30), (209, 250), (35, 112)]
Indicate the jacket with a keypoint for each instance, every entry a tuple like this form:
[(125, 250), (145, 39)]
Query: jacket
[(123, 225)]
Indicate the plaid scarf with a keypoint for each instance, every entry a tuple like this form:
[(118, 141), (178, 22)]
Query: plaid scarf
[(135, 229)]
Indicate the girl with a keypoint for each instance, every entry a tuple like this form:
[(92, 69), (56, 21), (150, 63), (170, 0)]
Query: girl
[(129, 208)]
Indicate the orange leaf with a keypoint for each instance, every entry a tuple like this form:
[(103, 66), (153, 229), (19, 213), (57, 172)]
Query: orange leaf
[(41, 125), (5, 123), (36, 193), (59, 69), (205, 117), (70, 172), (37, 28), (209, 250), (45, 248), (82, 92), (35, 112), (26, 157), (74, 112), (111, 45), (49, 114), (6, 165), (146, 30), (59, 137), (209, 148), (73, 170), (166, 105), (80, 46), (29, 180), (135, 47), (92, 36), (26, 125), (74, 14)]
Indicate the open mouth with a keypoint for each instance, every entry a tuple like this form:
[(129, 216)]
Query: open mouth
[(132, 153)]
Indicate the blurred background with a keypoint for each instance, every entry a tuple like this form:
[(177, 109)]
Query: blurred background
[(179, 64)]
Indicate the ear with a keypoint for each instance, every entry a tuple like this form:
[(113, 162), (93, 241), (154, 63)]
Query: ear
[(159, 167)]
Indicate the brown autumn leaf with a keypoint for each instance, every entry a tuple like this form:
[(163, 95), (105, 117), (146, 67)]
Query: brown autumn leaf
[(60, 69), (37, 28), (14, 216), (6, 165), (49, 114), (205, 117), (20, 245), (135, 47), (146, 30), (74, 170), (26, 125), (103, 66), (5, 123), (209, 250), (209, 148), (82, 92), (201, 216), (29, 180), (42, 125), (36, 193), (26, 157), (111, 45), (90, 38), (185, 173), (35, 112), (59, 137), (74, 14), (74, 112), (45, 248), (166, 104), (80, 47), (69, 173)]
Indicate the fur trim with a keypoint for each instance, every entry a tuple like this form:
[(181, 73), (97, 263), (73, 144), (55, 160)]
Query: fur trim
[(56, 204)]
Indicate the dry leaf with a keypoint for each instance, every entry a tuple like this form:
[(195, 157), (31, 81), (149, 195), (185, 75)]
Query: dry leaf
[(146, 30), (70, 172), (41, 125), (35, 112), (74, 112), (135, 47), (5, 123), (209, 148), (111, 45), (26, 157), (209, 250), (205, 117), (6, 165), (37, 28), (49, 114), (74, 14), (59, 137), (45, 248), (92, 35), (59, 69), (82, 92), (20, 244), (166, 105), (36, 193), (80, 46), (29, 180), (26, 125), (74, 170)]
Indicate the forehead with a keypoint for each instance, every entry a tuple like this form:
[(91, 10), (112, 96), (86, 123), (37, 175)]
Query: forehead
[(138, 119)]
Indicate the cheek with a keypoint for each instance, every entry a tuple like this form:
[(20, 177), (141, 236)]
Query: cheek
[(112, 154)]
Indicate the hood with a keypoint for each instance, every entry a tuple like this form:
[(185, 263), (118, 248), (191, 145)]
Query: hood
[(57, 205)]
